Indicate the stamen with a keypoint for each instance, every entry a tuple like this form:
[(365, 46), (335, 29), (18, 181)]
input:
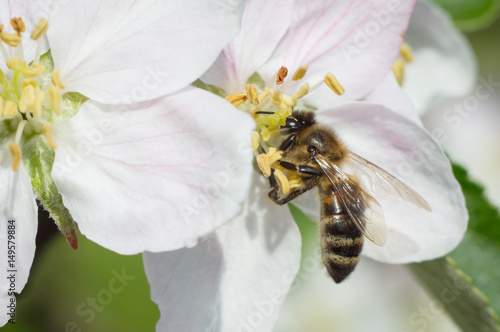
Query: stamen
[(11, 39), (333, 84), (236, 99), (300, 73), (56, 78), (304, 90), (263, 163), (264, 94), (255, 140), (47, 131), (282, 73), (27, 98), (10, 109), (40, 29), (13, 63), (406, 52), (18, 25), (252, 94), (398, 70), (35, 70), (55, 99), (15, 153), (282, 181)]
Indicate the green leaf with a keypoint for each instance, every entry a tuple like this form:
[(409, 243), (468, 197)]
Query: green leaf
[(471, 15), (475, 265), (38, 159)]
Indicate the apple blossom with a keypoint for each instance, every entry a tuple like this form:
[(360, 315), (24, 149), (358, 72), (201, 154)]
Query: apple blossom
[(291, 55), (92, 127)]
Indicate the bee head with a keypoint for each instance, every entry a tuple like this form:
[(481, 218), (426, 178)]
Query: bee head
[(323, 141)]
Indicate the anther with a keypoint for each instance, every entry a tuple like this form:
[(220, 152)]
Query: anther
[(398, 70), (40, 29), (236, 99), (35, 70), (406, 52), (282, 73), (300, 73), (11, 39), (282, 181), (15, 153), (10, 109), (333, 84), (304, 90), (14, 63), (255, 140), (56, 78), (263, 163), (55, 98), (18, 25), (47, 132), (27, 98), (252, 94)]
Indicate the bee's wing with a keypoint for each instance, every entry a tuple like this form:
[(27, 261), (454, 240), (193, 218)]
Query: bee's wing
[(363, 209), (383, 183)]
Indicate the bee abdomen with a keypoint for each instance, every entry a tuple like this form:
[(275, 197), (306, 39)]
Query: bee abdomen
[(341, 244)]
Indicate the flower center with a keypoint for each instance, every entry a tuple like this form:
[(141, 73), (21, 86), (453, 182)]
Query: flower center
[(28, 101), (270, 108)]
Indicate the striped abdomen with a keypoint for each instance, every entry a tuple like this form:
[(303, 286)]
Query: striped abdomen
[(341, 240)]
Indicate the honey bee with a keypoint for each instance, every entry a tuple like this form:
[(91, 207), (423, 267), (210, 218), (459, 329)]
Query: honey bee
[(348, 210)]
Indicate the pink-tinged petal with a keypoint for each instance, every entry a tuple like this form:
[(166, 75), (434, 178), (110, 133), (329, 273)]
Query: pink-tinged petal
[(407, 151), (15, 265), (156, 177), (263, 25), (25, 10), (390, 94), (357, 41), (444, 65), (236, 279), (124, 51)]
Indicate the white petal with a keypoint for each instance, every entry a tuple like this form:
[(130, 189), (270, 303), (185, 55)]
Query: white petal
[(407, 151), (263, 25), (357, 41), (390, 94), (444, 65), (236, 280), (156, 177), (123, 51), (22, 233)]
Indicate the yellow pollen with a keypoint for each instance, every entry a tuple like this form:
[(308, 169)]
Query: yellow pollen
[(263, 163), (47, 131), (289, 101), (10, 109), (252, 94), (304, 90), (294, 180), (11, 39), (282, 73), (40, 97), (15, 153), (274, 155), (14, 63), (27, 99), (282, 181), (255, 140), (40, 29), (56, 78), (300, 73), (398, 70), (35, 70), (236, 99), (18, 25), (55, 98), (406, 52), (333, 84)]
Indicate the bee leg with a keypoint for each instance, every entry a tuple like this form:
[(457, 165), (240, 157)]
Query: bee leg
[(301, 168), (286, 143), (277, 196)]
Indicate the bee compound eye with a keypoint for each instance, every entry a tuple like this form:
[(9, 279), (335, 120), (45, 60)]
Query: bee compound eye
[(312, 150)]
